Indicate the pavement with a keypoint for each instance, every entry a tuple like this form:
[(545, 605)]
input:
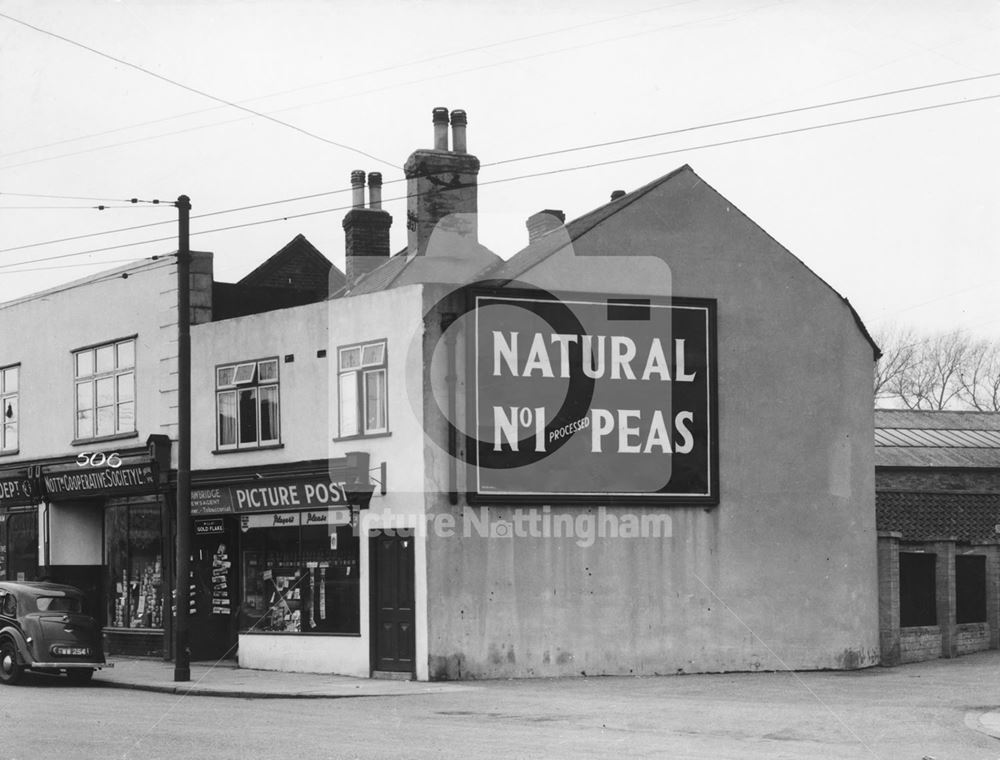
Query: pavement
[(225, 679)]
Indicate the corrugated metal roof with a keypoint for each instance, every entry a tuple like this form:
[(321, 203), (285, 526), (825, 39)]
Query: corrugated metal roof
[(926, 456), (958, 439), (946, 420)]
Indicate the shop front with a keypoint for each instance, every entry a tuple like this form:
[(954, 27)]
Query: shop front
[(18, 525), (106, 517), (274, 555)]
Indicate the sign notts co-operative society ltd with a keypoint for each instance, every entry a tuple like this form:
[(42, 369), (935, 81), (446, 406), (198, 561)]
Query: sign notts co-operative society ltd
[(587, 399)]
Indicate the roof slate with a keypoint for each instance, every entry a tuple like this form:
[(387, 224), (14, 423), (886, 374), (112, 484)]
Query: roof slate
[(921, 515)]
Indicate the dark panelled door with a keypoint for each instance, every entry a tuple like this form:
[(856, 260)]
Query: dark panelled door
[(393, 616)]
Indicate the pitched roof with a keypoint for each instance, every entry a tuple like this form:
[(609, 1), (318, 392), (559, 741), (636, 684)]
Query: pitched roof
[(298, 265), (548, 244), (920, 515), (916, 438)]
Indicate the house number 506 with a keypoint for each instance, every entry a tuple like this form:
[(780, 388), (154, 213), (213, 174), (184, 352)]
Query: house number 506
[(99, 459)]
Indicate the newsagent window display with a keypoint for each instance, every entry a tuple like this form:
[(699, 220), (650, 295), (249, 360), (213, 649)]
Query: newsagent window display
[(300, 579), (134, 561)]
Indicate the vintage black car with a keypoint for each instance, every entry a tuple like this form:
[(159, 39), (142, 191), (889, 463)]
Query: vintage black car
[(43, 628)]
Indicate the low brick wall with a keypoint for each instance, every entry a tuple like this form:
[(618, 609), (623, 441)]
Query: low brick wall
[(919, 643), (972, 637)]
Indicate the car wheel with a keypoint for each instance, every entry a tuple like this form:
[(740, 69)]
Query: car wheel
[(80, 675), (10, 669)]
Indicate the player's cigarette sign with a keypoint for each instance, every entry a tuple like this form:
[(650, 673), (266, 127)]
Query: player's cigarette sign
[(594, 399)]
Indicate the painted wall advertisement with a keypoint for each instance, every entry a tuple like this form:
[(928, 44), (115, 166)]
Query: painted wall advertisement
[(588, 399)]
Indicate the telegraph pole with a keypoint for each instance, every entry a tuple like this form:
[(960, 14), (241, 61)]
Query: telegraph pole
[(182, 653)]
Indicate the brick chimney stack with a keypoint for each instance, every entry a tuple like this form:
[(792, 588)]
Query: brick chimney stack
[(544, 221), (366, 230), (441, 186)]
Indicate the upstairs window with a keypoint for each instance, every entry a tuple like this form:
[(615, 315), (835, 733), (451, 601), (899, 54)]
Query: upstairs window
[(246, 400), (105, 390), (361, 383), (8, 408)]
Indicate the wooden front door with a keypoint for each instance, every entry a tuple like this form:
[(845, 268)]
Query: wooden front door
[(393, 613)]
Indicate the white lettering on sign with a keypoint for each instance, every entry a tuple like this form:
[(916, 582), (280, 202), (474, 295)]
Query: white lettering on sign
[(603, 356)]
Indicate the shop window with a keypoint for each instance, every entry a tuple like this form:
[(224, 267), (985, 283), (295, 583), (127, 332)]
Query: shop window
[(134, 560), (105, 390), (19, 538), (917, 589), (361, 384), (970, 588), (300, 579), (9, 407), (246, 401)]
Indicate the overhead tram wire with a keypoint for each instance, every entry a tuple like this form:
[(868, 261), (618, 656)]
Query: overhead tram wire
[(550, 172), (79, 198), (196, 91), (501, 162), (370, 72), (694, 22)]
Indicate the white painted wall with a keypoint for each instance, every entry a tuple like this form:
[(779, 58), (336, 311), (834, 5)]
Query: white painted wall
[(309, 427)]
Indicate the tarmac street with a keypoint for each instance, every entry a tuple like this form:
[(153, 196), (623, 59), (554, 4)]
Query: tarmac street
[(943, 710)]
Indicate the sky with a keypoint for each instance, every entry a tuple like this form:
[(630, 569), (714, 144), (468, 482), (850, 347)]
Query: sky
[(899, 213)]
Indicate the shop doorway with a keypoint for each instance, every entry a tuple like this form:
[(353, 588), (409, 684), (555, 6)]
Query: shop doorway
[(392, 602), (213, 590)]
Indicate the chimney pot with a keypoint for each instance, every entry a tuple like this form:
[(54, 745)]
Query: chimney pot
[(358, 188), (440, 128), (616, 194), (459, 120), (375, 190)]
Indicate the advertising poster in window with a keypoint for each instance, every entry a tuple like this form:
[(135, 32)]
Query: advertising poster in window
[(583, 399)]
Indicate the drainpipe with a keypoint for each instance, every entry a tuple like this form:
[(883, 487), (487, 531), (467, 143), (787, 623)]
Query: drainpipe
[(452, 385)]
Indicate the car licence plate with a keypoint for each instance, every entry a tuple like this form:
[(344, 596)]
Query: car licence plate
[(71, 651)]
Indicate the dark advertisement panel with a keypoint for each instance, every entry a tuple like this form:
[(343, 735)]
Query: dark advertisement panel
[(590, 399)]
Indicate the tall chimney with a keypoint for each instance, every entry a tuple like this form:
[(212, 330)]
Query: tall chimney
[(375, 190), (358, 188), (441, 187), (459, 120), (366, 230), (440, 116), (544, 221)]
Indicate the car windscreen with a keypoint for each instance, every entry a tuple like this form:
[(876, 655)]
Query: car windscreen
[(57, 604)]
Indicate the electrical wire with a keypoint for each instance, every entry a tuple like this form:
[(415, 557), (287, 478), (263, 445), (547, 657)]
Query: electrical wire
[(502, 180), (370, 72), (729, 122), (196, 91), (434, 77), (741, 120), (79, 198)]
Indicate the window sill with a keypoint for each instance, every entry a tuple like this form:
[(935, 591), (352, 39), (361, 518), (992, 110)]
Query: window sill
[(10, 453), (361, 436), (103, 438), (245, 449)]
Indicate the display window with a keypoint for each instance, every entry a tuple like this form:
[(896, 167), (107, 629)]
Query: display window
[(19, 545), (298, 578), (133, 534)]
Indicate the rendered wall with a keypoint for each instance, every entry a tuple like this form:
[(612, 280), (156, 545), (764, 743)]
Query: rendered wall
[(782, 573), (42, 331), (309, 431)]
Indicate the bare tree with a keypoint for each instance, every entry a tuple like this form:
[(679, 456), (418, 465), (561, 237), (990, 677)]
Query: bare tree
[(944, 371), (980, 377), (899, 351), (934, 380)]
